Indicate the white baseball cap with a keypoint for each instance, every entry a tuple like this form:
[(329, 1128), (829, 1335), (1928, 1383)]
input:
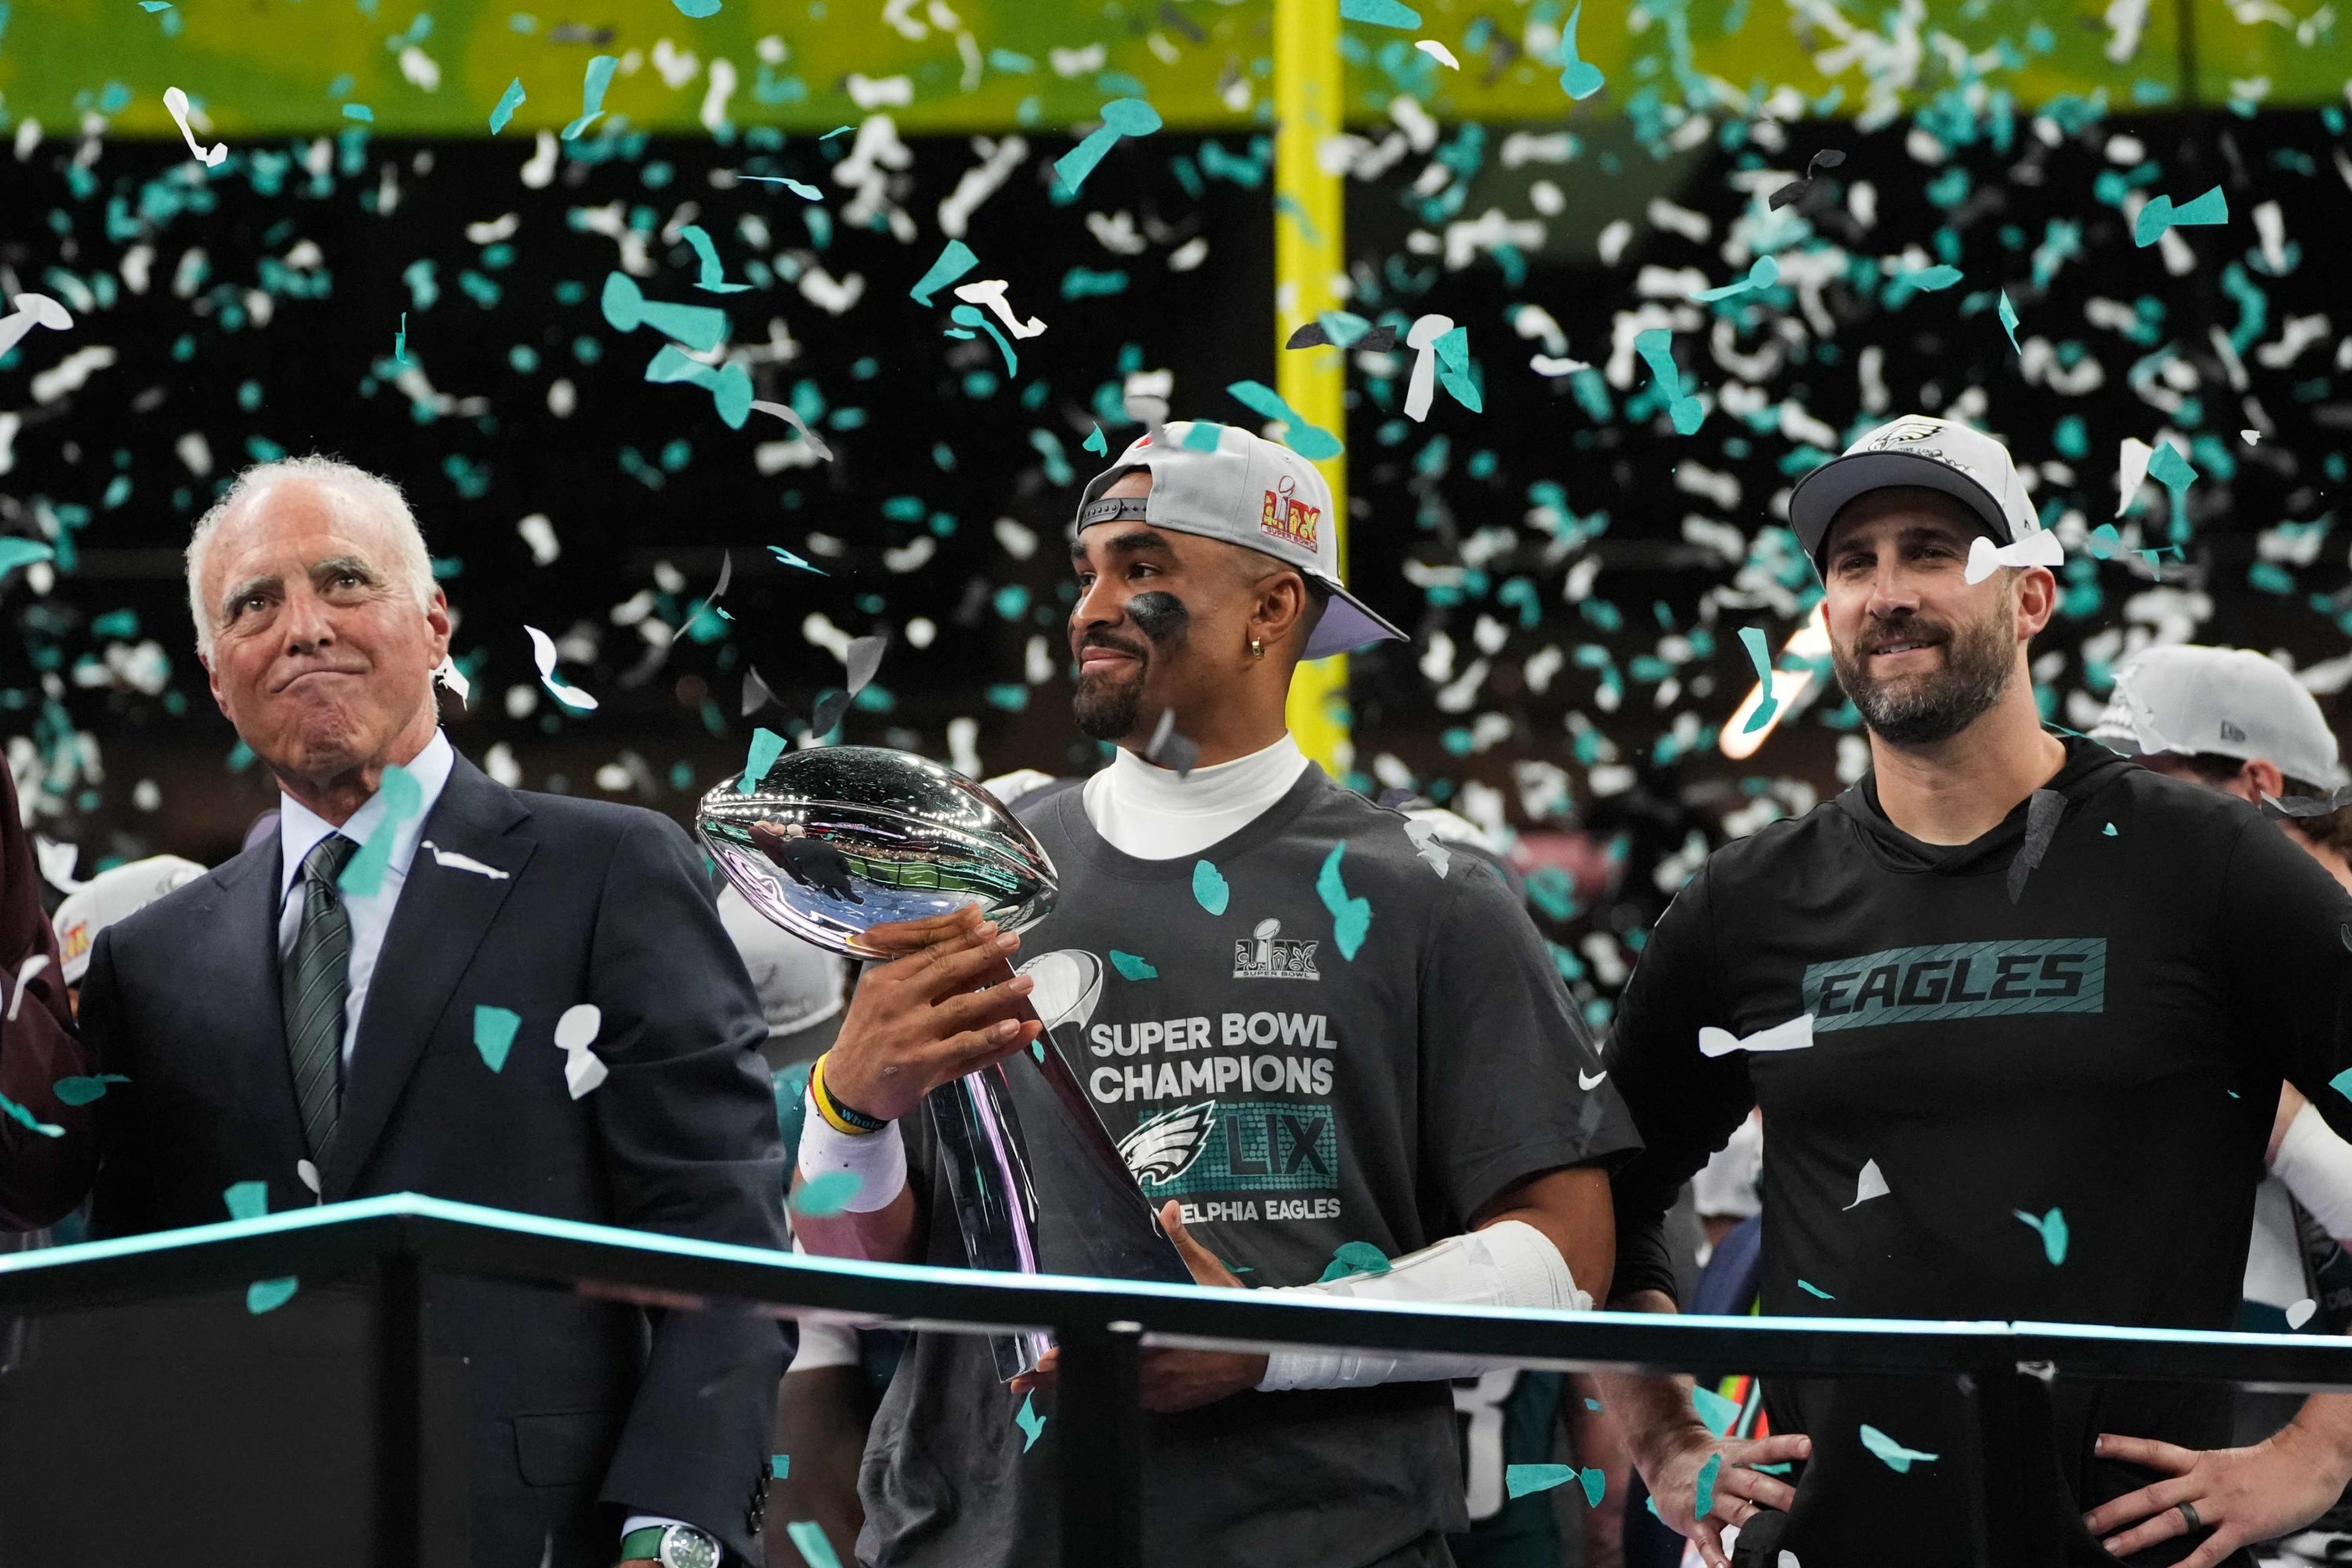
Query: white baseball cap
[(1937, 454), (111, 896), (1246, 491), (2228, 700)]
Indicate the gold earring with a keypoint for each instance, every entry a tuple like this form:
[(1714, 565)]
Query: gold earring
[(1258, 649)]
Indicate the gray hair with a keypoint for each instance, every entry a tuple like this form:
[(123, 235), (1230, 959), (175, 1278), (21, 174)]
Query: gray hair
[(351, 490)]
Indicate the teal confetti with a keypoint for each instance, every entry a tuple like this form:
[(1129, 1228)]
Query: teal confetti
[(1350, 917), (1929, 279), (2159, 215), (1132, 967), (509, 101), (1813, 1289), (494, 1033), (1580, 79), (362, 876), (789, 559), (1208, 888), (1310, 442), (15, 552), (1782, 1469), (815, 1549), (17, 1112), (1898, 1458), (2008, 320), (2342, 1082), (1761, 654), (1715, 1411), (1202, 437), (836, 130), (400, 339), (1121, 117), (799, 189), (780, 1467), (730, 384), (82, 1090), (625, 308), (1030, 1422), (1592, 1405), (246, 1200), (268, 1295), (766, 747), (972, 316), (697, 9), (1380, 13), (1763, 275), (1096, 443), (821, 1197), (151, 7), (1704, 1499), (358, 111), (592, 95), (1453, 350), (714, 272), (1354, 1257), (2109, 830), (1518, 1480), (2052, 1226), (1656, 348), (2105, 541), (1595, 1479)]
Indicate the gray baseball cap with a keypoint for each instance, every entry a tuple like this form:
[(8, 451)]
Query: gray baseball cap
[(1937, 454), (2231, 701), (1246, 491)]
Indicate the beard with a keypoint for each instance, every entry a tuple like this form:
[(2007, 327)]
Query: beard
[(1106, 707), (1979, 661)]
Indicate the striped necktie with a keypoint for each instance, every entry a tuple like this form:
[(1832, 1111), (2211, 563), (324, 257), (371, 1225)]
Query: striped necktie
[(312, 986)]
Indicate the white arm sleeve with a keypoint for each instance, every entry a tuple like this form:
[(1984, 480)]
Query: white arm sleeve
[(2317, 1166), (1508, 1263), (879, 1160)]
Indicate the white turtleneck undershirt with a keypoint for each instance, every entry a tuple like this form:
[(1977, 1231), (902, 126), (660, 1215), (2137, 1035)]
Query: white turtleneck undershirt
[(1153, 814)]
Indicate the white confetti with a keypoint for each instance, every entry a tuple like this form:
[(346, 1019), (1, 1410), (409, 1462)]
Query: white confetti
[(24, 972), (1437, 52), (542, 651), (2300, 1313), (1870, 1183), (1796, 1035), (2131, 471), (177, 102), (450, 860), (32, 310), (2039, 548)]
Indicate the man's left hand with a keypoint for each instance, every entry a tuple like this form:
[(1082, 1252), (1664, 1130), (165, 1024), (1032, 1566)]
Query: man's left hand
[(2243, 1495), (1181, 1379)]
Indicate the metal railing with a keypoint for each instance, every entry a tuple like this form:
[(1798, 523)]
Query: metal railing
[(2004, 1370)]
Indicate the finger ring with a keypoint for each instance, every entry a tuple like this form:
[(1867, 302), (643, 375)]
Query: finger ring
[(2189, 1513)]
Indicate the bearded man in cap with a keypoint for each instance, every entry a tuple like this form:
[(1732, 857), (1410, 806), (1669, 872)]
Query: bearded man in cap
[(1315, 1033), (2017, 1012)]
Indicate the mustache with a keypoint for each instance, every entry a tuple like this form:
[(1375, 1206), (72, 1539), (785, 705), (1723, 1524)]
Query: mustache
[(1096, 636), (1878, 635)]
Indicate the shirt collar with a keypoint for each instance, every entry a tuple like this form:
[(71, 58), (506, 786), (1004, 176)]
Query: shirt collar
[(1246, 784), (300, 828)]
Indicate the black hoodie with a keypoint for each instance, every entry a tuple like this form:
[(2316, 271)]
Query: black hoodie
[(2088, 1011)]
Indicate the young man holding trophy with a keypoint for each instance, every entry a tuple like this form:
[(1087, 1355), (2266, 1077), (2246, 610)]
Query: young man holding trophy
[(1333, 1056)]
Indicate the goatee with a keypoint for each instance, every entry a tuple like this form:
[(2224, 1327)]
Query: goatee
[(1107, 709)]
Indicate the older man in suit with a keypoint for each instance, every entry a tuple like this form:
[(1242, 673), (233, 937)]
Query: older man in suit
[(280, 1022)]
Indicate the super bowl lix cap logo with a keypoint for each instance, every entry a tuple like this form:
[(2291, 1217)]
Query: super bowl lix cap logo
[(1287, 518)]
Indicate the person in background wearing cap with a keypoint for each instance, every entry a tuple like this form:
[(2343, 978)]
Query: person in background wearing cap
[(1313, 1028), (2016, 1014), (111, 896), (38, 1044), (2231, 720)]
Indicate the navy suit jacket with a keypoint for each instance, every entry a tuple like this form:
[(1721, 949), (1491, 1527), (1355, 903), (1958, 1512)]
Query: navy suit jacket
[(572, 1401)]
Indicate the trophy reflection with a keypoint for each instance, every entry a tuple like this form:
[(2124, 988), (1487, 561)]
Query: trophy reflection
[(835, 839)]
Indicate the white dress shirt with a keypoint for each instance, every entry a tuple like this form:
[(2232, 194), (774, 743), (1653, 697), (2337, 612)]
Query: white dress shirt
[(1154, 814), (298, 831)]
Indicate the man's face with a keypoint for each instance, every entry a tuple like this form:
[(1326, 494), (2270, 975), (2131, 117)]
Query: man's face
[(1160, 622), (1922, 652), (322, 655)]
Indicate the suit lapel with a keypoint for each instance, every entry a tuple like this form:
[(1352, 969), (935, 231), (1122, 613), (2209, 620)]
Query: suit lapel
[(236, 952), (437, 928)]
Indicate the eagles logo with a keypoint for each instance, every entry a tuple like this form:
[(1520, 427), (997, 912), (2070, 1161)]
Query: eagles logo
[(1164, 1147), (1906, 432)]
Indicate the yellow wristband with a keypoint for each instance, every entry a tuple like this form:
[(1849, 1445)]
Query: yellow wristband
[(841, 1118)]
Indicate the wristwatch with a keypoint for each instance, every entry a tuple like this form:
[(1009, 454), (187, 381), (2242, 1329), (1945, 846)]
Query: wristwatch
[(672, 1546)]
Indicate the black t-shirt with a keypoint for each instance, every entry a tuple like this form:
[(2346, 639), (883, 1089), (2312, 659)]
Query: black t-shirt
[(1309, 1036), (2108, 1045)]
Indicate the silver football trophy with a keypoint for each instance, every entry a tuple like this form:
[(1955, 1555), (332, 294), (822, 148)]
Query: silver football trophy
[(834, 839)]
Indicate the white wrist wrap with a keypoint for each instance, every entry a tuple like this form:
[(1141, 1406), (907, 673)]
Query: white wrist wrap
[(1509, 1264), (2317, 1166), (879, 1160)]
